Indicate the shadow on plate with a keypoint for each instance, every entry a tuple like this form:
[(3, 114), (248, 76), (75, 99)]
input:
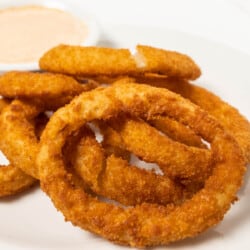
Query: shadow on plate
[(14, 198)]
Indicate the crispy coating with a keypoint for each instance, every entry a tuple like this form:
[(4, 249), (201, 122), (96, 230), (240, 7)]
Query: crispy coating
[(93, 61), (53, 89), (112, 177), (227, 115), (175, 159), (41, 92), (3, 103), (142, 225), (12, 179), (168, 63), (112, 142), (177, 131), (18, 141)]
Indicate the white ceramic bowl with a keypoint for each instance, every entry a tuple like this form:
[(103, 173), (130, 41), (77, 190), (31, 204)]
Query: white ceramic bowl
[(90, 21)]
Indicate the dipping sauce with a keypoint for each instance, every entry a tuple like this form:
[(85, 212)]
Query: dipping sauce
[(27, 32)]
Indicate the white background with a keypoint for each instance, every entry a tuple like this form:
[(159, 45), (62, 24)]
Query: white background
[(226, 21)]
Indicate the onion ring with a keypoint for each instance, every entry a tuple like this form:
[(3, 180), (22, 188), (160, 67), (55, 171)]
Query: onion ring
[(40, 92), (176, 160), (92, 61), (113, 177), (227, 115), (53, 89), (19, 141), (112, 142), (143, 225), (12, 179), (177, 131)]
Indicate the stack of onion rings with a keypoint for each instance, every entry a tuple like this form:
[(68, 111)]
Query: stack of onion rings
[(200, 145), (20, 123), (146, 224)]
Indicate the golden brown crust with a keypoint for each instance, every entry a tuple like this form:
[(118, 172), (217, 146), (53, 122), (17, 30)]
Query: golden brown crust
[(134, 226), (12, 179), (77, 60), (91, 61), (40, 92), (53, 89), (4, 102), (170, 63), (175, 159), (114, 178), (112, 142), (19, 142), (177, 131), (227, 115)]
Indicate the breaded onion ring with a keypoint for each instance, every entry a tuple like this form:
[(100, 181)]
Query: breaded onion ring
[(12, 180), (92, 61), (53, 89), (177, 131), (40, 92), (175, 159), (146, 224), (113, 177), (227, 115), (19, 142), (113, 142)]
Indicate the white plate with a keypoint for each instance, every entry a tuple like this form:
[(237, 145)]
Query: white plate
[(88, 19), (31, 221)]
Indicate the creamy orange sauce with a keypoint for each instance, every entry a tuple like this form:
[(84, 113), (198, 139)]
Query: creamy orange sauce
[(27, 32)]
